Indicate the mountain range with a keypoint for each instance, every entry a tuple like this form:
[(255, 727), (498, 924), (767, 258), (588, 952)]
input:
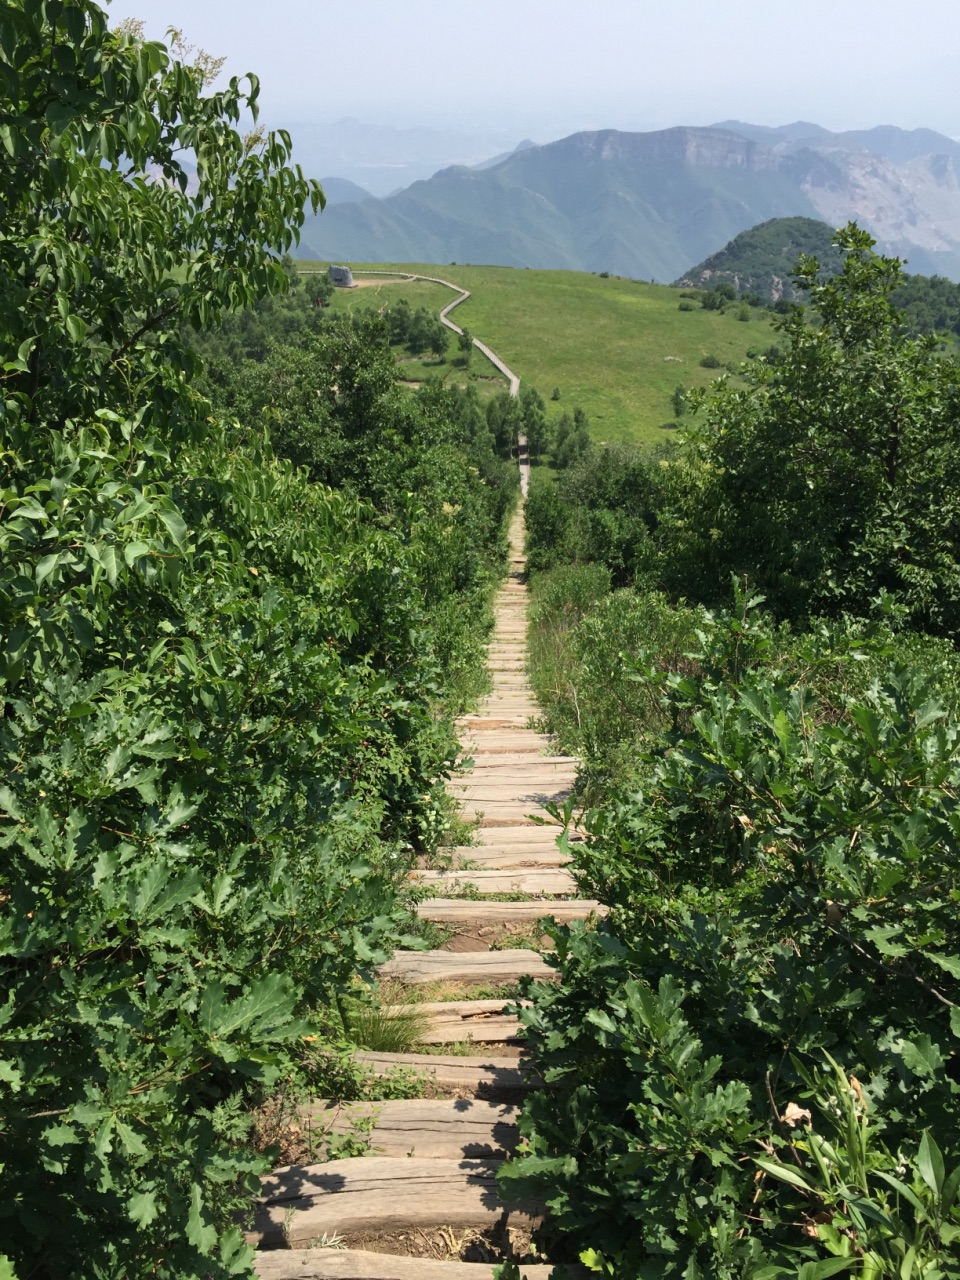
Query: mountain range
[(647, 205)]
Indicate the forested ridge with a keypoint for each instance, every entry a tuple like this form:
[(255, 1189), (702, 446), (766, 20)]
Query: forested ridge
[(245, 583)]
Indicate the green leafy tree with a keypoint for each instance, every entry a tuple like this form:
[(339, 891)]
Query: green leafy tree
[(465, 347), (536, 426), (833, 478), (110, 243), (217, 731)]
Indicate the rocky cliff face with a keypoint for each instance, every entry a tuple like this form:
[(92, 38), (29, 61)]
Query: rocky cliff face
[(700, 148)]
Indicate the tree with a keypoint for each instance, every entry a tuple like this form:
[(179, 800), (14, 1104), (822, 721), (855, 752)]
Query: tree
[(465, 347), (141, 806), (110, 243), (833, 479), (535, 427)]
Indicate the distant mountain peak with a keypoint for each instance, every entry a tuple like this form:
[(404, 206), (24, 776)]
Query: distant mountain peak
[(646, 205)]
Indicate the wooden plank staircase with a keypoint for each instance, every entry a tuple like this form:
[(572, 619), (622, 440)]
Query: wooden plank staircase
[(429, 1182)]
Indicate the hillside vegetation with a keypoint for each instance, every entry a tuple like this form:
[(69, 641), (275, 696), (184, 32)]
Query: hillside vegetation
[(762, 261), (239, 611), (751, 643), (617, 348)]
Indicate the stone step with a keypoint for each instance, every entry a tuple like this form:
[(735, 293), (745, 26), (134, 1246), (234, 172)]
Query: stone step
[(474, 911), (473, 968), (358, 1264), (493, 881), (434, 1128), (301, 1203)]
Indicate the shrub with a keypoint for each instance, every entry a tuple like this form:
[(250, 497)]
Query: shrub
[(743, 1059)]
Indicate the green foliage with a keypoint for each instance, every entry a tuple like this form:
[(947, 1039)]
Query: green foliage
[(223, 683), (586, 644), (928, 304), (572, 439), (602, 509), (782, 877), (762, 259), (831, 480), (83, 325)]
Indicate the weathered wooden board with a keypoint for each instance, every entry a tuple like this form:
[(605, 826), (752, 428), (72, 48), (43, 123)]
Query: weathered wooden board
[(493, 722), (357, 1264), (472, 967), (490, 1076), (512, 857), (534, 793), (546, 833), (436, 1129), (490, 740), (481, 911), (473, 1021), (521, 762), (302, 1203), (531, 882)]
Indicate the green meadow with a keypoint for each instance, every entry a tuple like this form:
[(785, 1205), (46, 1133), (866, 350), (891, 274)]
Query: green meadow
[(616, 347)]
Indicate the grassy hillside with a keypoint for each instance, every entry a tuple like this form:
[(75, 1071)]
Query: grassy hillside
[(616, 347), (376, 292)]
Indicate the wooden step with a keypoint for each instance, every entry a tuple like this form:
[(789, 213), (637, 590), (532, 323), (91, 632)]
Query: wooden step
[(358, 1264), (473, 968), (546, 882), (480, 722), (520, 763), (493, 793), (489, 914), (492, 1076), (434, 1128), (509, 859), (490, 740), (501, 815), (489, 770), (464, 1021), (544, 834), (301, 1203)]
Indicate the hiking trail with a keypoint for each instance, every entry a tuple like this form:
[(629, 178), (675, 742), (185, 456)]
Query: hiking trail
[(423, 1203)]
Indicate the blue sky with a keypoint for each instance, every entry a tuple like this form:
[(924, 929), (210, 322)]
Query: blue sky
[(544, 68)]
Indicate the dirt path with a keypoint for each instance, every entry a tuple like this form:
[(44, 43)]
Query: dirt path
[(424, 1202)]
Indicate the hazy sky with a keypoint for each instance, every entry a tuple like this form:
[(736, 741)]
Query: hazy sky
[(545, 68)]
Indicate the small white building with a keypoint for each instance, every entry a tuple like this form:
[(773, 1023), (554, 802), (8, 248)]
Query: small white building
[(342, 277)]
